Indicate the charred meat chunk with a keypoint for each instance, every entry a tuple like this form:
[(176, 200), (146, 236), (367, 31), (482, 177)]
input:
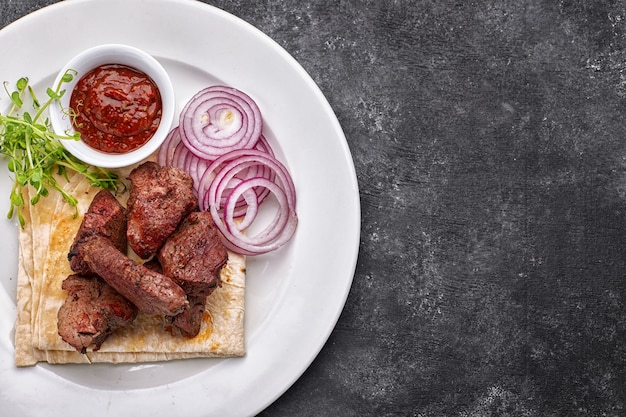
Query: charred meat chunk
[(194, 254), (188, 322), (159, 198), (91, 312), (150, 291), (105, 217)]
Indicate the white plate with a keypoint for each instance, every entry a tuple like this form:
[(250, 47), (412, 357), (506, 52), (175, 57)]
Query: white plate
[(294, 296)]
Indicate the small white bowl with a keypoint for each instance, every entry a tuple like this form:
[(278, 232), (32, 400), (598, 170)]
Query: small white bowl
[(122, 55)]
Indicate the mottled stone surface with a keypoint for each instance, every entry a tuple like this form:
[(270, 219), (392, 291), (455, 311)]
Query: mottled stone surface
[(488, 140)]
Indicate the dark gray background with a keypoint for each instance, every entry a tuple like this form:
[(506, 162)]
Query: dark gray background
[(488, 140)]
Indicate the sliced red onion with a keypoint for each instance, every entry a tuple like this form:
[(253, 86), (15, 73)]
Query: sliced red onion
[(275, 235), (248, 210), (195, 167), (164, 157), (220, 119), (226, 190), (264, 146), (273, 229), (254, 169)]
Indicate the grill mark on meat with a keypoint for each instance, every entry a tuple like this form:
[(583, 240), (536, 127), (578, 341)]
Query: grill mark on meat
[(159, 198), (92, 310), (193, 257), (105, 217), (150, 291), (194, 254)]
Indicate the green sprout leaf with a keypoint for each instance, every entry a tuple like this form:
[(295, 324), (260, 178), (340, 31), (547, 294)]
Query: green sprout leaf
[(35, 155), (16, 99), (21, 84)]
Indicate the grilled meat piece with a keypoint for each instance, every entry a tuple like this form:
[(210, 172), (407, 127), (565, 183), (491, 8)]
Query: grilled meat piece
[(150, 291), (105, 217), (188, 322), (159, 198), (91, 312), (194, 254)]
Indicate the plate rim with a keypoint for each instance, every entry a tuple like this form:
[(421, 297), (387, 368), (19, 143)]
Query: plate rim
[(347, 160)]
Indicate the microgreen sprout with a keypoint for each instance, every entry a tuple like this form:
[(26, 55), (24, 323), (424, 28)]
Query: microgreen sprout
[(34, 153)]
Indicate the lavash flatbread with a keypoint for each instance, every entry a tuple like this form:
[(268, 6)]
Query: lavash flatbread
[(43, 245)]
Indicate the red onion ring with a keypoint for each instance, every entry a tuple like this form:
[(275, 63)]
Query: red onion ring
[(275, 235), (247, 211), (255, 170), (273, 229), (164, 157), (223, 207), (218, 120)]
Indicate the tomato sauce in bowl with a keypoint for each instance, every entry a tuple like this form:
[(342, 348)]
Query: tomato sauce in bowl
[(123, 111), (116, 108)]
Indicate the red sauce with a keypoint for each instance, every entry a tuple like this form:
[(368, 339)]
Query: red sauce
[(117, 108)]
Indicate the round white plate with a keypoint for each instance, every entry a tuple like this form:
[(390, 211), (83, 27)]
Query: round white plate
[(294, 296)]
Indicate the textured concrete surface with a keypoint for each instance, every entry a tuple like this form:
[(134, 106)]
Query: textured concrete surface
[(488, 139)]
